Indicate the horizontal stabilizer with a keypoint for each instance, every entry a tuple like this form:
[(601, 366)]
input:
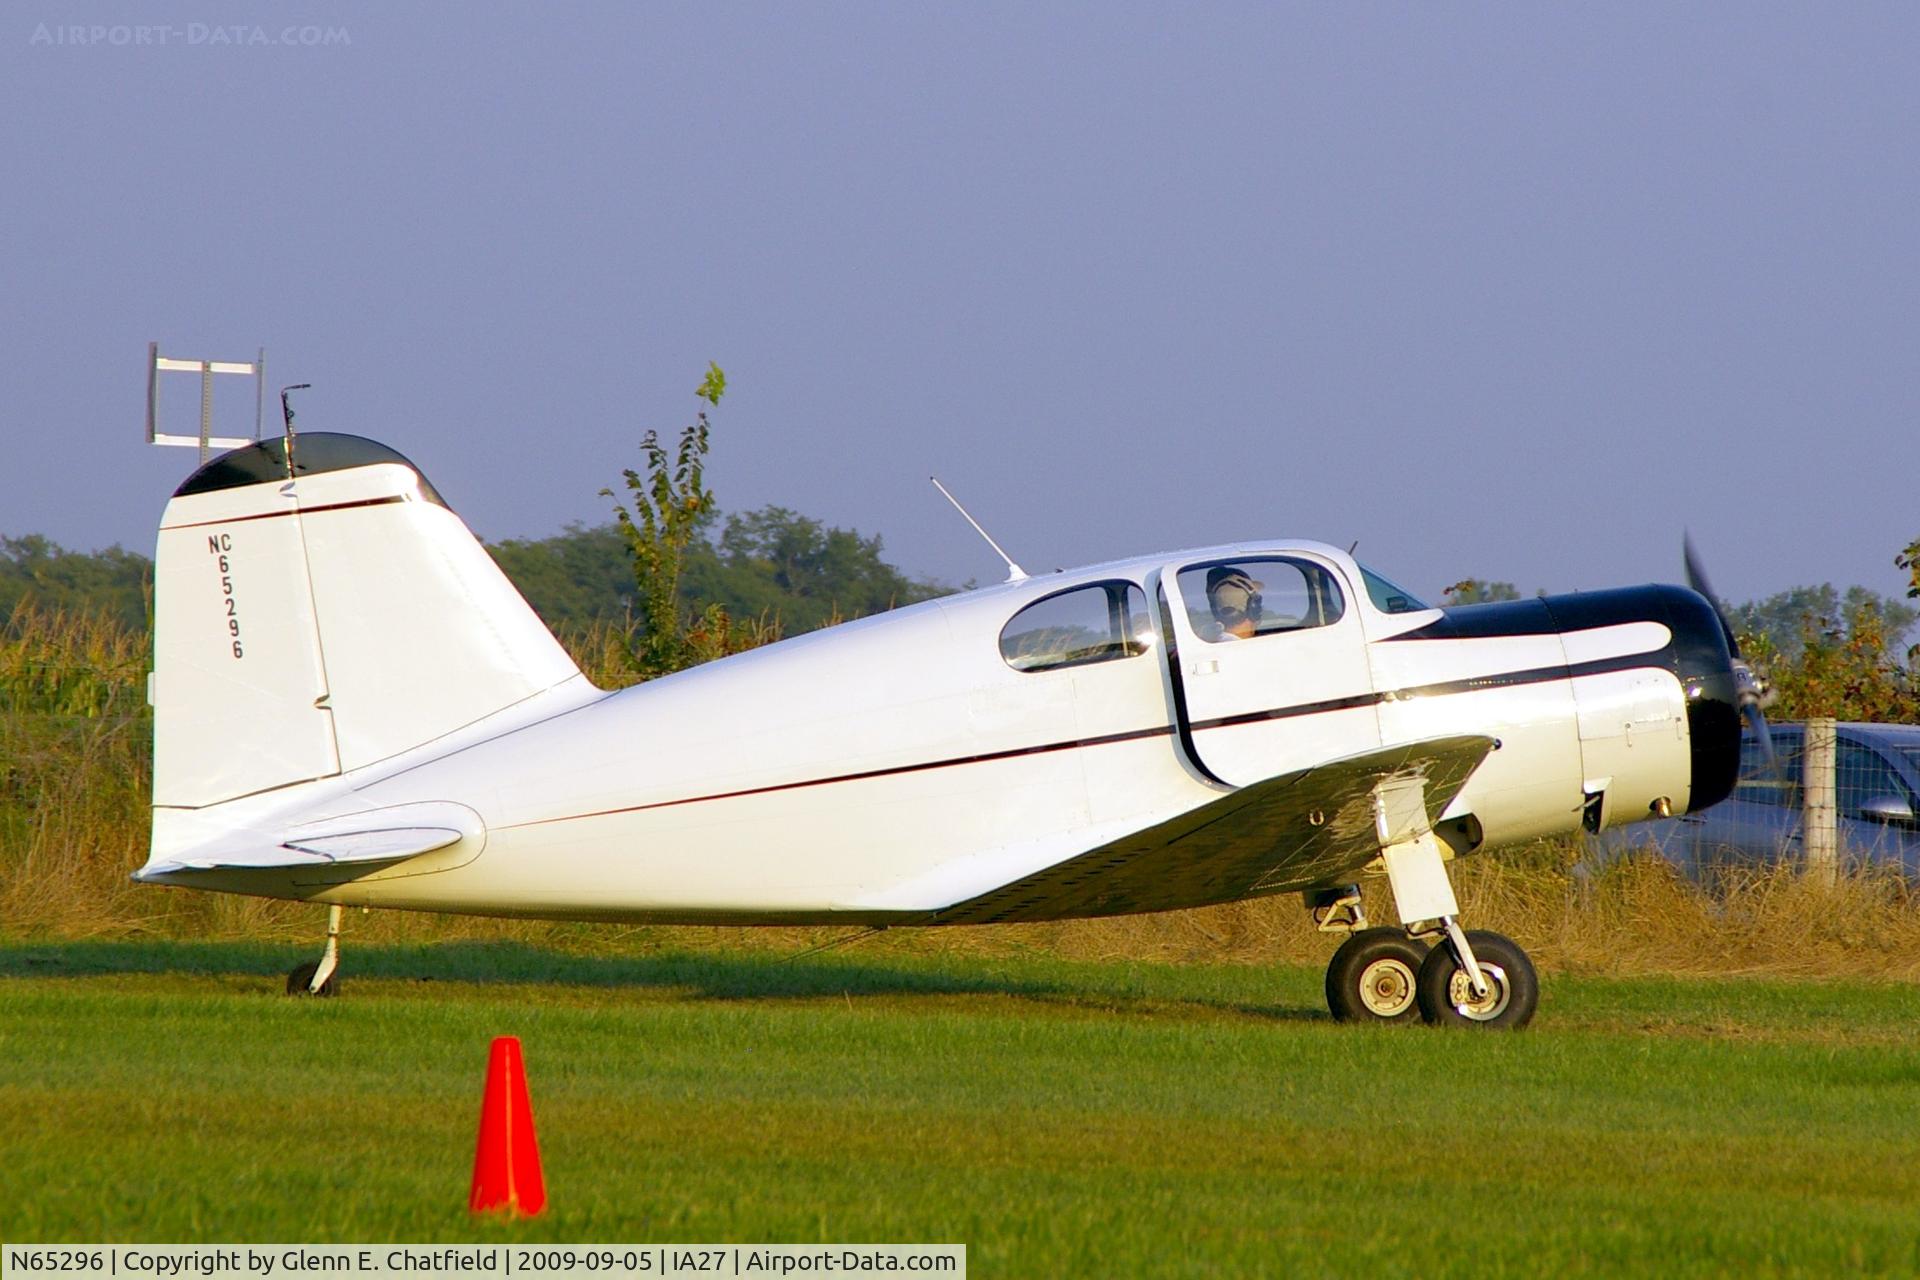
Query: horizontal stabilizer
[(382, 836), (376, 846)]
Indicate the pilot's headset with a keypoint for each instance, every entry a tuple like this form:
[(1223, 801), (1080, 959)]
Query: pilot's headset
[(1233, 595)]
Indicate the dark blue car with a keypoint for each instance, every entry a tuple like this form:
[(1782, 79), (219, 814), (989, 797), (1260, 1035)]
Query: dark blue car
[(1876, 789)]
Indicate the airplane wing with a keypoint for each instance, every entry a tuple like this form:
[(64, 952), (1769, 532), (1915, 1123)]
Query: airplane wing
[(1294, 831)]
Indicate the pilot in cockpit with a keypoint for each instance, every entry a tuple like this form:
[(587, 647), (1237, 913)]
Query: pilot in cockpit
[(1234, 598)]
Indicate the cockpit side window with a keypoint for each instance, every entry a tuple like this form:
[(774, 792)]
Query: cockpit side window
[(1259, 595), (1098, 623)]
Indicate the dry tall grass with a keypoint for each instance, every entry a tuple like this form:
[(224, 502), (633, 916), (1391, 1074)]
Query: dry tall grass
[(1634, 916), (75, 751)]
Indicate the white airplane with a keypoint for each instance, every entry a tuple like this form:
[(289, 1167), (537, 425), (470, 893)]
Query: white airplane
[(353, 706)]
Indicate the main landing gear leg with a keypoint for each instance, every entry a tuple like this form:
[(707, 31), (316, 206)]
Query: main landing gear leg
[(1473, 978), (317, 978)]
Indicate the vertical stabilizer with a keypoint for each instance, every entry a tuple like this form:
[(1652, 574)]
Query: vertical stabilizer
[(316, 625), (238, 690)]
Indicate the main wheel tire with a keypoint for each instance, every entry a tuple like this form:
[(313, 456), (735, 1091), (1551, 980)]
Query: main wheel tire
[(1446, 993), (1373, 977), (300, 979)]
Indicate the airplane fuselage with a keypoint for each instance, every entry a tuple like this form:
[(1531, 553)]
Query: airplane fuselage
[(889, 768)]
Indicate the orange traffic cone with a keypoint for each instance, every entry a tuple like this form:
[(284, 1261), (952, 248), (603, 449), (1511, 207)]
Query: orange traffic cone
[(506, 1164)]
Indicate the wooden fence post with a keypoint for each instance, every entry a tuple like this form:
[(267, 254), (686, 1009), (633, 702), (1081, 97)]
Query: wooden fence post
[(1819, 821)]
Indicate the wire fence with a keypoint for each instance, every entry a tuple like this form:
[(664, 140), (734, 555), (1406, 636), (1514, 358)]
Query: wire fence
[(1839, 796)]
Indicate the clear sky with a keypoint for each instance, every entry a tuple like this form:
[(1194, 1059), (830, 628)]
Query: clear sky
[(1510, 291)]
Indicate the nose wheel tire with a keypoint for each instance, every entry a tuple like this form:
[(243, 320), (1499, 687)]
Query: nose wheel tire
[(1445, 991), (1374, 977)]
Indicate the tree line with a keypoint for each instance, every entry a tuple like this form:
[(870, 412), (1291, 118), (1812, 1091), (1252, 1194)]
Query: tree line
[(669, 582), (772, 563), (1825, 651)]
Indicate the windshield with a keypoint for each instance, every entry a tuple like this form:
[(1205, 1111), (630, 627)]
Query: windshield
[(1389, 598)]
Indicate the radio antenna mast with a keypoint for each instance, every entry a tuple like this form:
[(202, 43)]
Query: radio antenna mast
[(1014, 572), (286, 413)]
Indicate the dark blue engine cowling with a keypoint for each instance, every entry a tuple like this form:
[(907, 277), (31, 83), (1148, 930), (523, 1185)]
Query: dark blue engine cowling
[(1697, 655)]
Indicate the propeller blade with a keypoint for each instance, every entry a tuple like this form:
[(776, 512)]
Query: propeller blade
[(1696, 573), (1748, 690), (1697, 579), (1747, 687)]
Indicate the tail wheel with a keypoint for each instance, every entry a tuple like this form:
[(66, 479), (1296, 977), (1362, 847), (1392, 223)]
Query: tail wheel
[(1446, 991), (300, 981), (1374, 977)]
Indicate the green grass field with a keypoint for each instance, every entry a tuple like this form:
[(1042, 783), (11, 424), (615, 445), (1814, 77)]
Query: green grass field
[(1057, 1117)]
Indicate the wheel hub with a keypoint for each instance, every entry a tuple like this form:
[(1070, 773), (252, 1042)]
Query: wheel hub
[(1480, 1009), (1387, 988)]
